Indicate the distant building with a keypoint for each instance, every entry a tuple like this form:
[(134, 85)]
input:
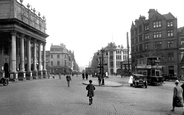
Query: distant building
[(112, 57), (60, 60), (116, 54)]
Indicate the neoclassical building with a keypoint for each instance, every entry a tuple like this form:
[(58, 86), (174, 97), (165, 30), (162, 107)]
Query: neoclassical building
[(22, 41), (113, 56)]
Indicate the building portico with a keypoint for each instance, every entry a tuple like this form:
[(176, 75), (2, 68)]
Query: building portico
[(22, 40)]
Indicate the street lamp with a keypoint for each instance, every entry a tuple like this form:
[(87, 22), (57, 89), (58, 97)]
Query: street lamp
[(101, 64)]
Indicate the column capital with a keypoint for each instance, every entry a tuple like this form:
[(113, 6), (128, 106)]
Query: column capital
[(13, 33), (44, 43), (22, 35)]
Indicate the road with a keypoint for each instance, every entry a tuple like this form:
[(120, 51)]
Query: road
[(53, 97)]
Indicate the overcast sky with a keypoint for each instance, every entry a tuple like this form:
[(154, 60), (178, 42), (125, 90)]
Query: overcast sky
[(86, 26)]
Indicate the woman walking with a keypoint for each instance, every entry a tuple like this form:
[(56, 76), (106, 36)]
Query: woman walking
[(90, 87), (177, 96)]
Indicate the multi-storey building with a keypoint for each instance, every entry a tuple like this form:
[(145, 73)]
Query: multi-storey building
[(181, 51), (112, 57), (60, 60), (155, 37), (23, 36)]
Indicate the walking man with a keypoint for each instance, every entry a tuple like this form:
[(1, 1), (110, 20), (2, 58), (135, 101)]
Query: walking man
[(68, 79), (90, 87)]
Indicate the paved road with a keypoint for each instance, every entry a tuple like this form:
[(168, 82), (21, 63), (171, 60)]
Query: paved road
[(53, 97)]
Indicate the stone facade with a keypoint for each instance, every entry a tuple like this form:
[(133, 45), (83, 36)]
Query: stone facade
[(22, 34)]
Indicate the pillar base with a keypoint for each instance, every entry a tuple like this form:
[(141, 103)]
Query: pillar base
[(21, 76), (13, 76), (40, 74), (35, 74), (29, 75), (44, 73)]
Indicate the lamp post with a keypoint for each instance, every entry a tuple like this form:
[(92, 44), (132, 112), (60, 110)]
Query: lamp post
[(101, 64)]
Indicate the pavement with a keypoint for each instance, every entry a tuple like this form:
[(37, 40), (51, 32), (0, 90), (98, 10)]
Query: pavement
[(109, 82)]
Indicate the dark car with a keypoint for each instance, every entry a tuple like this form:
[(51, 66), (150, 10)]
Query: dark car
[(139, 80)]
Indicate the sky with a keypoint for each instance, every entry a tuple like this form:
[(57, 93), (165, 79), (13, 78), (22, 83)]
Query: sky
[(85, 26)]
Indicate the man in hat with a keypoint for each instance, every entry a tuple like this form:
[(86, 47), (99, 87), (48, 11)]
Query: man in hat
[(90, 87)]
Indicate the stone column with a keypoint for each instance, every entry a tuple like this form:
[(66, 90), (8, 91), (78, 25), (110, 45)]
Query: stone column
[(44, 62), (21, 73), (40, 75), (13, 72), (114, 61), (35, 72), (108, 63), (29, 73)]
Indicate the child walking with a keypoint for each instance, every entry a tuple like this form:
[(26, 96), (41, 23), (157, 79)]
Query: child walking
[(90, 87)]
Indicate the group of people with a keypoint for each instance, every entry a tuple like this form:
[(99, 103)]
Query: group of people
[(85, 75), (178, 95)]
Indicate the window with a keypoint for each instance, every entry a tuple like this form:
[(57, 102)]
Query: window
[(140, 47), (157, 24), (136, 40), (58, 62), (170, 57), (140, 28), (170, 24), (146, 46), (58, 56), (157, 45), (170, 44), (51, 56), (146, 36), (146, 27), (140, 38), (170, 33), (51, 63), (118, 57), (182, 42), (157, 34)]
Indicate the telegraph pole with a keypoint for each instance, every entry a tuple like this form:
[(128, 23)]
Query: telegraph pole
[(128, 54)]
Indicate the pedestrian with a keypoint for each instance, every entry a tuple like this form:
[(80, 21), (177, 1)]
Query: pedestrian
[(83, 76), (90, 87), (106, 74), (86, 76), (99, 79), (177, 96), (68, 79), (59, 75), (183, 90)]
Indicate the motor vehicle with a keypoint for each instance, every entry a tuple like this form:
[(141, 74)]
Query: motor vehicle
[(139, 80), (4, 81), (155, 80)]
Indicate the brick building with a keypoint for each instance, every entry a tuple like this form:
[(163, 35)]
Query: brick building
[(155, 37)]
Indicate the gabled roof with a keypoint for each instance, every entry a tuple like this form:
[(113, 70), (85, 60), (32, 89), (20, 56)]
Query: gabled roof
[(169, 16), (156, 13)]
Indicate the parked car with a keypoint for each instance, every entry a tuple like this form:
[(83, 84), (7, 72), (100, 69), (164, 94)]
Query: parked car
[(139, 80), (4, 81)]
